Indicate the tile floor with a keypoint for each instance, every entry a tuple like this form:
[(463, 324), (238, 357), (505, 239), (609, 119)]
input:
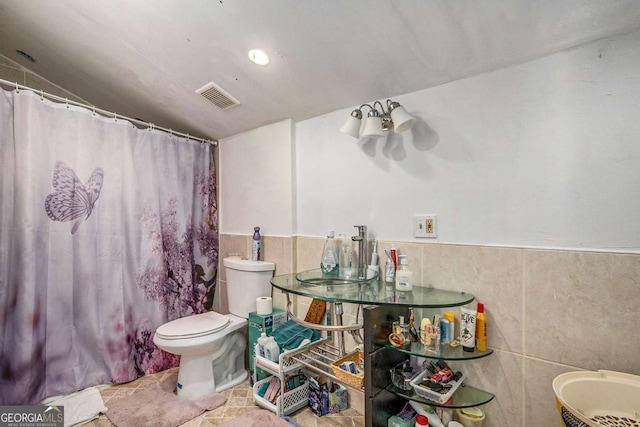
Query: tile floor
[(239, 401)]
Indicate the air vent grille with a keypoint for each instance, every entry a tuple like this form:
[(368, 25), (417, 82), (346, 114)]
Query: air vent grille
[(217, 96)]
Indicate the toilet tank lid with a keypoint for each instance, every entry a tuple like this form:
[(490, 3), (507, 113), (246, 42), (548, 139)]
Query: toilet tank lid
[(248, 265)]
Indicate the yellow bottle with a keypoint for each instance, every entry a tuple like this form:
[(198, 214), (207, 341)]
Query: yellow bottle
[(481, 328)]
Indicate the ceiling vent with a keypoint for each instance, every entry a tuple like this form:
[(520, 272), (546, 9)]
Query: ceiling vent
[(217, 96)]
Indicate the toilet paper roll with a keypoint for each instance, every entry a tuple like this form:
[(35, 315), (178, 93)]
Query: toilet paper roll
[(264, 305)]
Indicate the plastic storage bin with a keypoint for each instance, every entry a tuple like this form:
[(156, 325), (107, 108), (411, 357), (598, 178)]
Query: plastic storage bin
[(434, 395), (285, 403)]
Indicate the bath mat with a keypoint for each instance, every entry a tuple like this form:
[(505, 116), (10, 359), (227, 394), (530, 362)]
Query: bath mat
[(257, 418), (158, 406)]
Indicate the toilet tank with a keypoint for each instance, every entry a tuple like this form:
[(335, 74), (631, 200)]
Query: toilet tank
[(246, 281)]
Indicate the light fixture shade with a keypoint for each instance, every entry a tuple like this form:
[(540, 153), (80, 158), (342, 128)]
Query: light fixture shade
[(373, 127), (401, 119), (352, 126)]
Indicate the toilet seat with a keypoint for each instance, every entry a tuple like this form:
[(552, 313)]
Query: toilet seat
[(193, 326)]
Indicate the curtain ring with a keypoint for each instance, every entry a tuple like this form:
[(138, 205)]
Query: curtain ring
[(94, 111), (170, 133), (67, 102), (41, 95), (115, 116), (17, 88)]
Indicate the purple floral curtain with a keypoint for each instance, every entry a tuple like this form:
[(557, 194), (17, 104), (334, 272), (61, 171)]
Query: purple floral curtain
[(106, 232)]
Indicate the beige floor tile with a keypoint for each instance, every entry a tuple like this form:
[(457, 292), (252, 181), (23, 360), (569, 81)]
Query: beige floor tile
[(239, 401)]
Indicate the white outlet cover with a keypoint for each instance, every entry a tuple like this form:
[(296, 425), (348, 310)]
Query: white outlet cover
[(420, 226)]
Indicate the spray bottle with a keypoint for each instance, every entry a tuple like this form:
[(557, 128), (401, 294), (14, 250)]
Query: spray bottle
[(256, 249)]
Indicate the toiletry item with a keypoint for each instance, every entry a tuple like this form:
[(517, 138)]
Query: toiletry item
[(374, 256), (262, 342), (413, 333), (346, 257), (468, 329), (452, 324), (427, 411), (425, 338), (404, 275), (390, 272), (394, 256), (329, 263), (271, 350), (399, 334), (446, 415), (422, 421), (445, 330), (256, 247), (481, 328)]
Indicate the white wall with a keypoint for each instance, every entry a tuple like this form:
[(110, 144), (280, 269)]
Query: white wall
[(256, 181), (546, 154)]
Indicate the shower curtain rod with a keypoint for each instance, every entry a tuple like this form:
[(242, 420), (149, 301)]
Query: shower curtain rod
[(105, 113)]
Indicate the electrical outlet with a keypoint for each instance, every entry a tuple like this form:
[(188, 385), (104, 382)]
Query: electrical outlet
[(425, 226)]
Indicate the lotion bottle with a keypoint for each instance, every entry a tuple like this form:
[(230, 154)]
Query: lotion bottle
[(404, 275)]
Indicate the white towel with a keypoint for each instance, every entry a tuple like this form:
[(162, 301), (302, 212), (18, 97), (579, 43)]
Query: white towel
[(80, 407)]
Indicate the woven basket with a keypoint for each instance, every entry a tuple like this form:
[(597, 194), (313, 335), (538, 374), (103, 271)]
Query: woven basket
[(354, 380)]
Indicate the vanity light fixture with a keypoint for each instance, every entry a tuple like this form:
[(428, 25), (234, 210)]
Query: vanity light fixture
[(378, 121), (258, 56)]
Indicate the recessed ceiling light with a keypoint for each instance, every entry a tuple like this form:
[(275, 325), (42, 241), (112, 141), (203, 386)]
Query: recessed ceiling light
[(259, 57)]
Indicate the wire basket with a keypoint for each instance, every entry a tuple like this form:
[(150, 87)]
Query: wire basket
[(354, 380)]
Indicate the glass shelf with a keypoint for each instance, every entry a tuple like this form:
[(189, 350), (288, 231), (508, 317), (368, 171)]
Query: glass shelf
[(312, 284), (465, 397), (446, 352)]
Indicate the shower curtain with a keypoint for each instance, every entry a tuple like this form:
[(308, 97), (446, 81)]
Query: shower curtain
[(106, 232)]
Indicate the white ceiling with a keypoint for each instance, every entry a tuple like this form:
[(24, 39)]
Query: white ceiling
[(146, 58)]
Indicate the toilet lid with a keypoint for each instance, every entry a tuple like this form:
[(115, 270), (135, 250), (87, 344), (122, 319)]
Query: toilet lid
[(194, 326)]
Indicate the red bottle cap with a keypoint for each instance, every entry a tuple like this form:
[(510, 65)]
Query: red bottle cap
[(480, 307), (422, 420)]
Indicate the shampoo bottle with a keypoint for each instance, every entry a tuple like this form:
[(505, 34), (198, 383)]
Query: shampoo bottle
[(481, 328), (404, 275), (256, 249), (329, 263)]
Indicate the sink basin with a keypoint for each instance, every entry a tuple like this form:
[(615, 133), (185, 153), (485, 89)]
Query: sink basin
[(602, 398), (316, 278)]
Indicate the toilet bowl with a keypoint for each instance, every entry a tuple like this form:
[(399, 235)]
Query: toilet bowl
[(212, 345)]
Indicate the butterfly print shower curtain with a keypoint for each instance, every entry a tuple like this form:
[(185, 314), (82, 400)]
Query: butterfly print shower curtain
[(107, 231)]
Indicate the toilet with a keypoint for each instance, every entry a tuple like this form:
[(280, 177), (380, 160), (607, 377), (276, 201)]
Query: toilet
[(212, 345)]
